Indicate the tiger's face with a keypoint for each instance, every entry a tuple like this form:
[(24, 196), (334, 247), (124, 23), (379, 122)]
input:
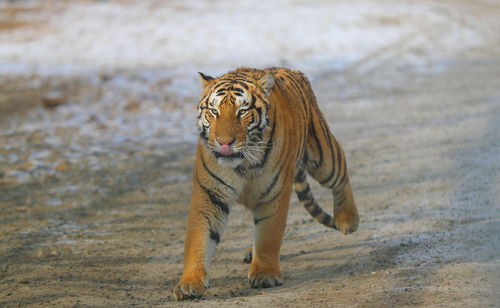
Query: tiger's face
[(233, 113)]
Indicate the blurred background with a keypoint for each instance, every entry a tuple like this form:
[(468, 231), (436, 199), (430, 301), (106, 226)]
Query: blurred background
[(97, 136)]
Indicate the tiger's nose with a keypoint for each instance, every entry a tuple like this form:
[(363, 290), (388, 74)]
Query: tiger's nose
[(225, 141)]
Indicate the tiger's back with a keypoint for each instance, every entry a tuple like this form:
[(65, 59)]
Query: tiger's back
[(261, 131)]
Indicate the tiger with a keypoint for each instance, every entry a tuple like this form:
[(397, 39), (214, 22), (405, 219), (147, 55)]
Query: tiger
[(260, 133)]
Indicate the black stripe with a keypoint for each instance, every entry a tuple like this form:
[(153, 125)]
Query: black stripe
[(268, 201), (328, 136), (335, 169), (300, 177), (208, 218), (317, 210), (329, 177), (312, 132), (252, 122), (273, 182), (244, 85), (255, 135), (242, 171), (215, 236), (302, 195), (339, 199), (343, 176), (255, 123), (268, 148), (298, 87), (233, 79), (203, 135), (252, 103), (326, 132), (262, 99), (257, 220), (306, 156), (216, 200), (215, 176), (206, 100), (300, 161), (326, 219), (339, 161)]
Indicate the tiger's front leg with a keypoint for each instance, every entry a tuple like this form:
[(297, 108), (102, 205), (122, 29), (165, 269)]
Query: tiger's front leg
[(208, 212), (270, 221)]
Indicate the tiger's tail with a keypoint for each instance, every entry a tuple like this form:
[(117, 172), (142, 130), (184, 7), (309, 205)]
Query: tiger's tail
[(306, 198)]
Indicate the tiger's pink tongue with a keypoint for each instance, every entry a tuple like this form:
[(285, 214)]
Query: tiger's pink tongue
[(226, 150)]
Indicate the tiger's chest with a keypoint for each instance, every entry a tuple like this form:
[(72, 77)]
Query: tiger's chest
[(252, 192), (261, 188)]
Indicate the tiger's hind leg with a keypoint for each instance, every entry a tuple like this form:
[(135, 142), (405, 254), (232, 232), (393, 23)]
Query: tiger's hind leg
[(325, 162)]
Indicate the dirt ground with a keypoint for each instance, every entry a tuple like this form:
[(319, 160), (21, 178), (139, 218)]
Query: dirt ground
[(89, 217)]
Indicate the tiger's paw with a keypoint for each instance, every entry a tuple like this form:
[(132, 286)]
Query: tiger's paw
[(189, 289), (347, 221), (264, 279)]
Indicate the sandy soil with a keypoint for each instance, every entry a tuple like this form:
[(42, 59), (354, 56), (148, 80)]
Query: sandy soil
[(93, 204)]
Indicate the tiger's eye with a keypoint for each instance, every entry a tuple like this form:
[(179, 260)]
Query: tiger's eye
[(214, 112)]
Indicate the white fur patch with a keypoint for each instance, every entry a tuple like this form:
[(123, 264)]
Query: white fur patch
[(229, 162)]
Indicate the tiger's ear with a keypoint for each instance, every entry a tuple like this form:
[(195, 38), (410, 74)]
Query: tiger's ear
[(204, 79), (267, 83)]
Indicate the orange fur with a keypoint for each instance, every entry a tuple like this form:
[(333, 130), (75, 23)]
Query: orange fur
[(260, 131)]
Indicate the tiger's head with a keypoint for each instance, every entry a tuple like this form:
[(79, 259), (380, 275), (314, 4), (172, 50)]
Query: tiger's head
[(233, 113)]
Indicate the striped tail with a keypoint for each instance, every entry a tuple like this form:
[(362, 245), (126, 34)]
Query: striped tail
[(306, 198)]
